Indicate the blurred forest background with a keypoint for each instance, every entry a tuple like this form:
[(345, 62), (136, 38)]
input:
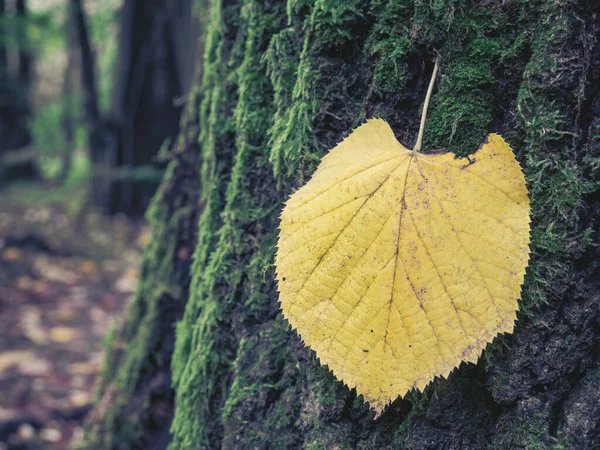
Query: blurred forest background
[(90, 92)]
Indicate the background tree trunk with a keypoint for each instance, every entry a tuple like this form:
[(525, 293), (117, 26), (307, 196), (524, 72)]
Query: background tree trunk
[(281, 85), (17, 159), (3, 54), (156, 58), (151, 75), (25, 58)]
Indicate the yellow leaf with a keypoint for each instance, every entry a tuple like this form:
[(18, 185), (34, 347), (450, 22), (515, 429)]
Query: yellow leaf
[(84, 368), (63, 334), (143, 238), (12, 254), (15, 358), (395, 266), (80, 398), (88, 267)]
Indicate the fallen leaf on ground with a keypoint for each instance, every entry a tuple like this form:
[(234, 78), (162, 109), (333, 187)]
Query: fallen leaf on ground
[(14, 358), (65, 313), (80, 398), (84, 368), (143, 238), (35, 367), (31, 324), (128, 281), (24, 283), (40, 287), (50, 271), (63, 334), (50, 434), (88, 267), (25, 431), (12, 254)]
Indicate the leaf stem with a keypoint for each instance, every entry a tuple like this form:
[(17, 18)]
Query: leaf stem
[(417, 147)]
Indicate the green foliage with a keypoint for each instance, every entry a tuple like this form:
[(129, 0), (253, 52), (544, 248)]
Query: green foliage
[(103, 21), (39, 30), (47, 130), (45, 32), (81, 170), (68, 198)]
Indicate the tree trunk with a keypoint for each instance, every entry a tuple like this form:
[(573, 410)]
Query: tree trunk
[(281, 85), (25, 59), (151, 73), (78, 20), (17, 158), (149, 79)]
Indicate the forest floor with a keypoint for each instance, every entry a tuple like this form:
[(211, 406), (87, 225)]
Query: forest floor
[(66, 275)]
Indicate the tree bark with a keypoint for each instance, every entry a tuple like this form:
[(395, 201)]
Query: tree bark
[(145, 109), (283, 84), (17, 161), (88, 70), (25, 58)]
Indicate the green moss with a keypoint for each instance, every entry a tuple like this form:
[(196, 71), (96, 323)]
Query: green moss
[(277, 92), (534, 442), (554, 178), (206, 345), (262, 406), (292, 130), (389, 42), (330, 19), (466, 37), (108, 369), (315, 445), (529, 431), (293, 139), (282, 63), (195, 360), (462, 110)]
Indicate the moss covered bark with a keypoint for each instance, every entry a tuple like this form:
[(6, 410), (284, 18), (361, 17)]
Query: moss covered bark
[(135, 398), (284, 82)]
